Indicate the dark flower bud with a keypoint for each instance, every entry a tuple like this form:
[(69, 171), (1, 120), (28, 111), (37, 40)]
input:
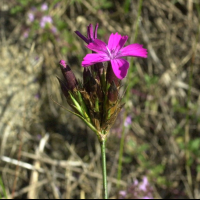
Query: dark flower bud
[(112, 93), (63, 87), (86, 78), (93, 85), (68, 75), (110, 76), (98, 70)]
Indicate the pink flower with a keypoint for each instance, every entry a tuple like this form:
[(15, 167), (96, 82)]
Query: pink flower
[(44, 7), (45, 20), (128, 121), (144, 184), (113, 53), (31, 17)]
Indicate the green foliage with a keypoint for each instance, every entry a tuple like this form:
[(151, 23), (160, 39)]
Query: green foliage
[(150, 80), (103, 4), (126, 5), (2, 189), (194, 146), (24, 2), (198, 168), (60, 24), (16, 9), (75, 1), (21, 4), (177, 130), (139, 151)]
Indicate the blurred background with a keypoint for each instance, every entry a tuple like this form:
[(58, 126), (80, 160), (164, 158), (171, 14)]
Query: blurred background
[(46, 152)]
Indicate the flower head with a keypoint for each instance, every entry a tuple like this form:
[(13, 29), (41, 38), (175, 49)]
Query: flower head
[(31, 17), (144, 184), (128, 121), (44, 7), (54, 30), (138, 190), (113, 53), (45, 20)]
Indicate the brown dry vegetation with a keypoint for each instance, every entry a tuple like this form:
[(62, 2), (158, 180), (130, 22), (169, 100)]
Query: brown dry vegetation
[(46, 152)]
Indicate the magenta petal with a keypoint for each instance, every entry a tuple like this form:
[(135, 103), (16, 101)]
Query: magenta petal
[(90, 33), (82, 37), (98, 46), (120, 67), (63, 63), (93, 58), (116, 42), (95, 31), (135, 50)]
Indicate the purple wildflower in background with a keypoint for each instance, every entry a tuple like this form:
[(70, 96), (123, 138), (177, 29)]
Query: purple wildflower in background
[(26, 33), (138, 190), (122, 194), (45, 20), (31, 17), (54, 29), (44, 7), (128, 121), (113, 53), (37, 96), (144, 184)]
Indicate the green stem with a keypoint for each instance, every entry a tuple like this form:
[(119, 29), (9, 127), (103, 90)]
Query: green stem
[(103, 154), (3, 189)]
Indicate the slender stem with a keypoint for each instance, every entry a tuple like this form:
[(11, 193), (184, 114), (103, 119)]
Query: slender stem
[(103, 154)]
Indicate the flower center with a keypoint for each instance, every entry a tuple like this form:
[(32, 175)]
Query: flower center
[(110, 54)]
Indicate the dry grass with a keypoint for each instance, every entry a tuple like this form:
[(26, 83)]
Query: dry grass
[(46, 152)]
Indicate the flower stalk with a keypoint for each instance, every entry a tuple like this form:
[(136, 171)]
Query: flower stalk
[(103, 155)]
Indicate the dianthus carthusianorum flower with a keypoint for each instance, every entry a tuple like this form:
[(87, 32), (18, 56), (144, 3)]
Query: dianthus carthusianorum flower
[(113, 52), (96, 100)]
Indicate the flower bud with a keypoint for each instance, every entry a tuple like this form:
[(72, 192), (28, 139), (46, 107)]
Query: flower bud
[(69, 76), (112, 93), (110, 76), (86, 79), (98, 70), (63, 87), (93, 85)]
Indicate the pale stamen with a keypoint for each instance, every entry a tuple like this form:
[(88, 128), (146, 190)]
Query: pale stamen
[(110, 55)]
